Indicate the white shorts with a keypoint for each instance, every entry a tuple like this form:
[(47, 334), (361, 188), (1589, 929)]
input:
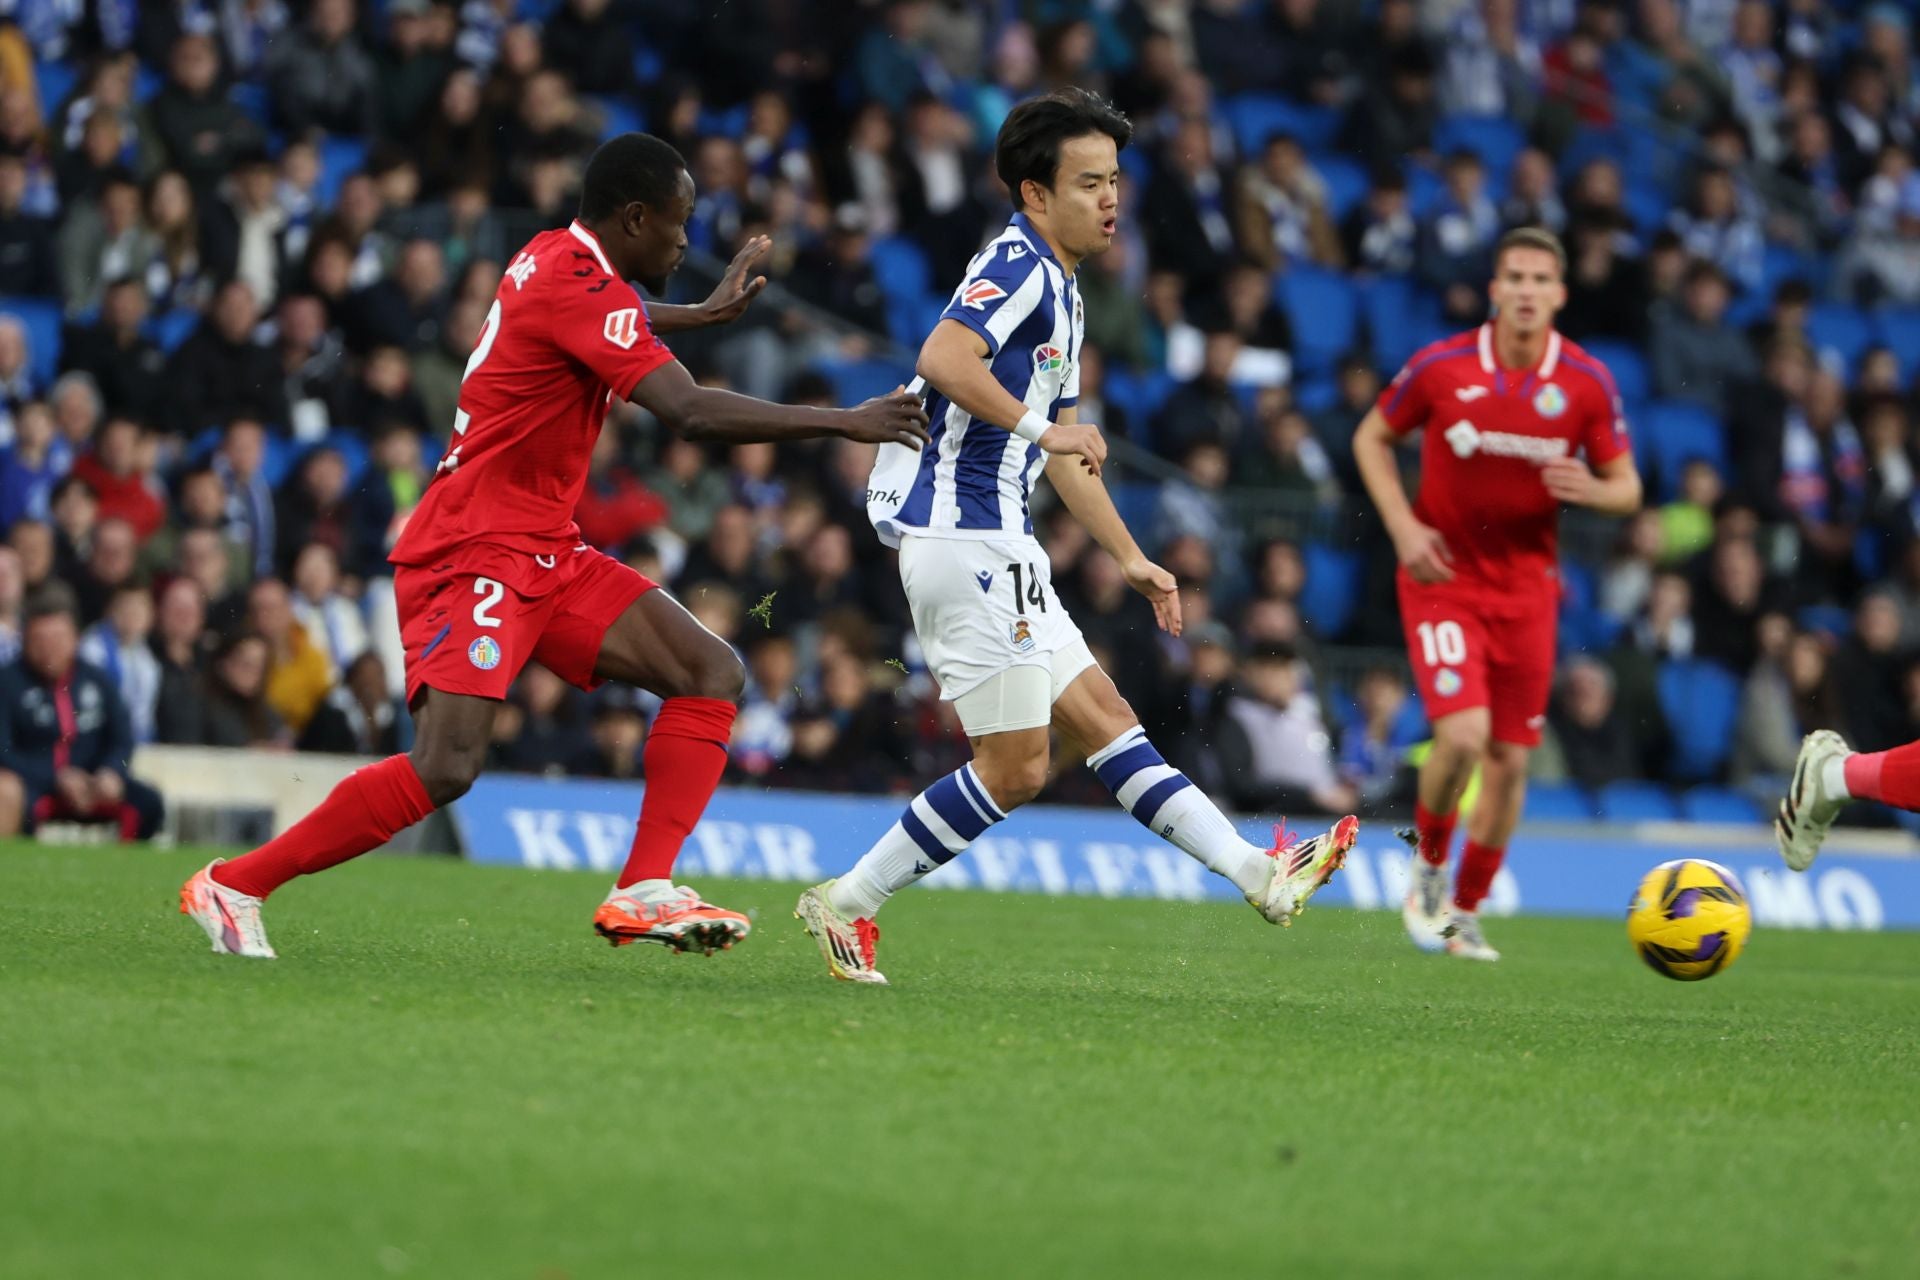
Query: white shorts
[(962, 593)]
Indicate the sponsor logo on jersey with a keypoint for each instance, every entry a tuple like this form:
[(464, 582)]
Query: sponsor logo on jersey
[(623, 327), (484, 653), (979, 293), (1468, 395), (1016, 251), (985, 579), (1021, 634), (1446, 682), (1550, 401), (523, 266), (1048, 358), (1467, 440)]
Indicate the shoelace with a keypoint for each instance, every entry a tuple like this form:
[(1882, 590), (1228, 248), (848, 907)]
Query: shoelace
[(1283, 837), (868, 935)]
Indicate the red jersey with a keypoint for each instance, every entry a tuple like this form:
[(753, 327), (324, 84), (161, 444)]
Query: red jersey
[(1489, 431), (564, 338)]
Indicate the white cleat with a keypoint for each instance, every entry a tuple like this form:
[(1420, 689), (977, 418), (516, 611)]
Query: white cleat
[(848, 946), (1464, 939), (1809, 808), (1424, 911), (1301, 868), (231, 918)]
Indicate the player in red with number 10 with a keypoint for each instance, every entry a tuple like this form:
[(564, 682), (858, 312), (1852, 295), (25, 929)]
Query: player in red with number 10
[(1507, 410), (490, 572)]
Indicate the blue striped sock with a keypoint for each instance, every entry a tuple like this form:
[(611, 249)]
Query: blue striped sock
[(1165, 801), (937, 825)]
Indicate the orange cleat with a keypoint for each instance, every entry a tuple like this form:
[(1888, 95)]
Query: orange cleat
[(672, 915)]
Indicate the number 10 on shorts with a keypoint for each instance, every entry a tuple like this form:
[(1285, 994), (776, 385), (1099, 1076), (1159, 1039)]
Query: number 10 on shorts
[(1442, 643)]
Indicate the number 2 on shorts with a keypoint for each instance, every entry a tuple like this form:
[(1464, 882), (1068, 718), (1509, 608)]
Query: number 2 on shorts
[(1442, 644), (492, 591)]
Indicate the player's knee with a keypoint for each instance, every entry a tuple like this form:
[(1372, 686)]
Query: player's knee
[(446, 775), (1461, 737), (1013, 782), (719, 674)]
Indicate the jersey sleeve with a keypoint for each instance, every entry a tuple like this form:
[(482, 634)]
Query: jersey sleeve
[(1002, 288), (599, 321), (1406, 401), (1605, 437)]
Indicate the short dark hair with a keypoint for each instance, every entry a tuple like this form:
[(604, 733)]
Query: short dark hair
[(52, 599), (1531, 238), (627, 168), (1028, 149)]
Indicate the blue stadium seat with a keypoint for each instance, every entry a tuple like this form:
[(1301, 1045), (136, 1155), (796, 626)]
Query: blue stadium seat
[(1347, 182), (1628, 366), (618, 116), (171, 328), (252, 98), (1494, 139), (1312, 395), (1255, 117), (1828, 619), (1898, 329), (1324, 313), (1587, 145), (900, 267), (1671, 434), (353, 450), (857, 380), (1331, 595), (1839, 330), (1558, 802), (1401, 318), (41, 319), (1637, 802), (278, 462), (1700, 701), (56, 81), (340, 159), (1424, 187), (1718, 804)]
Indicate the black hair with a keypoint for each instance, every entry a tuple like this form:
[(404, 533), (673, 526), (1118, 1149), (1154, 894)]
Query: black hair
[(628, 168), (1028, 149), (51, 599)]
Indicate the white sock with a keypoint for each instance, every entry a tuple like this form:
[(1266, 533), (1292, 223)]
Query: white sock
[(939, 823), (1164, 801), (646, 888), (1833, 775)]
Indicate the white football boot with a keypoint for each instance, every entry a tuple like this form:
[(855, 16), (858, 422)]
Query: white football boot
[(1300, 868), (1424, 910), (1809, 807), (848, 946), (1464, 939), (230, 917)]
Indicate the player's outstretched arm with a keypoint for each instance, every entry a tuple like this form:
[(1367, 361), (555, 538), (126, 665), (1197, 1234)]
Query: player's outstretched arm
[(1420, 547), (1086, 496), (953, 361), (728, 301), (707, 413)]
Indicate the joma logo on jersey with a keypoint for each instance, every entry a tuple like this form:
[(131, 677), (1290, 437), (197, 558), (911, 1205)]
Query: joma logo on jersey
[(623, 327), (978, 294), (1048, 358), (1467, 440)]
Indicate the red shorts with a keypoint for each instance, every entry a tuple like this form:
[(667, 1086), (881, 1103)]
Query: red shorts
[(470, 622), (1471, 650)]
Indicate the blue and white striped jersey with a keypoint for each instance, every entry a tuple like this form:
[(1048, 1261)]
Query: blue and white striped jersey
[(973, 479)]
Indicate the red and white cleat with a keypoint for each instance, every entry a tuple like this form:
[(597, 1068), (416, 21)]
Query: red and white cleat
[(848, 946), (1301, 868), (672, 915), (231, 918)]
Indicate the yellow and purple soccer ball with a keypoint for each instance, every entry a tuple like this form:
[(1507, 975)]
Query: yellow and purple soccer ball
[(1689, 919)]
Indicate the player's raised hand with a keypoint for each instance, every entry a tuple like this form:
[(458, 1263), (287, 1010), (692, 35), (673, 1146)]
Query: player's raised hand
[(895, 418), (1159, 587), (1569, 481), (1424, 552), (735, 292), (1082, 438)]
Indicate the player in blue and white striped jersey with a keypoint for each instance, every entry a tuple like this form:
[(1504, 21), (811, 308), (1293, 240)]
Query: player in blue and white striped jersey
[(1000, 374)]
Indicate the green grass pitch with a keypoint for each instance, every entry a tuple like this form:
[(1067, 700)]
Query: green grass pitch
[(446, 1074)]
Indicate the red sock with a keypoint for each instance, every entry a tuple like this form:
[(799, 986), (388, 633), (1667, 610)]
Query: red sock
[(1479, 863), (363, 812), (1435, 832), (1891, 777), (685, 754)]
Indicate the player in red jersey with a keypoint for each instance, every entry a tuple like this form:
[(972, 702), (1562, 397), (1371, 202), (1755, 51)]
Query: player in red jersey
[(490, 572), (1507, 409)]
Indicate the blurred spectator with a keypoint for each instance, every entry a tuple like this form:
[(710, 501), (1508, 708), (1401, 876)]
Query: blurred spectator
[(1207, 407), (1274, 748), (1591, 737), (359, 716), (1713, 227), (298, 674), (118, 646), (112, 561), (1696, 354), (33, 541), (415, 61), (246, 227), (1790, 694), (221, 373), (1185, 212), (839, 275), (616, 733), (238, 464), (232, 709), (313, 367), (116, 473), (538, 729), (1457, 237), (27, 260), (322, 77), (102, 240), (114, 351), (1374, 743), (64, 735), (180, 645), (1607, 287), (1386, 127), (1733, 597), (1869, 669), (16, 370), (1628, 579), (13, 594), (76, 513), (1380, 235), (1290, 458), (1533, 198), (937, 200), (761, 734), (331, 619), (1281, 209), (385, 497), (1491, 67), (407, 308), (1686, 524), (203, 131), (313, 510), (1665, 627)]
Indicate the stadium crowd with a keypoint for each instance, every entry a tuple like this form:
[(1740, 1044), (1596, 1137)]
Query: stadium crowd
[(246, 247)]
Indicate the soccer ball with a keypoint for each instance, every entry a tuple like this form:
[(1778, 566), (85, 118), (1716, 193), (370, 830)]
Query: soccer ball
[(1689, 919)]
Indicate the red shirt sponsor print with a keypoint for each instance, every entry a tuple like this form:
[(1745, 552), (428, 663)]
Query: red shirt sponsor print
[(1489, 430), (564, 338)]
